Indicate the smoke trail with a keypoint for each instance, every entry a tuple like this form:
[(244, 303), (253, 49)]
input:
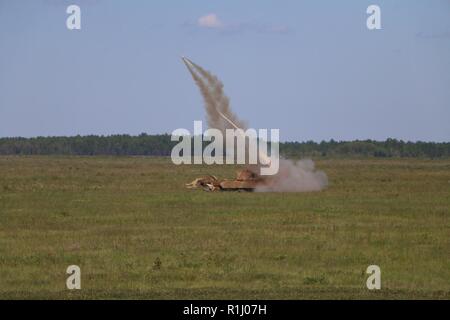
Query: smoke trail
[(299, 176), (214, 97), (210, 102)]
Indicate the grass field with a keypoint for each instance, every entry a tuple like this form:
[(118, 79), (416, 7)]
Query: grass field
[(136, 232)]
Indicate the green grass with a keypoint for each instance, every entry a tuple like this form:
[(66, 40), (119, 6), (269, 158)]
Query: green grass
[(136, 232)]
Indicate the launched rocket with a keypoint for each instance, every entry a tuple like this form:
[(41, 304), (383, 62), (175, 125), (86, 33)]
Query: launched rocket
[(187, 62)]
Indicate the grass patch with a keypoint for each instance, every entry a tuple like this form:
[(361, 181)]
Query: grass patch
[(136, 232)]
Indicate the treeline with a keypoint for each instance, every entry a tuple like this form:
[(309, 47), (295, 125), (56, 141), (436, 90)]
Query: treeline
[(161, 145), (370, 148)]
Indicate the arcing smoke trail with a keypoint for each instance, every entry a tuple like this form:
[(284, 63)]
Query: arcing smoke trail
[(215, 99), (299, 176)]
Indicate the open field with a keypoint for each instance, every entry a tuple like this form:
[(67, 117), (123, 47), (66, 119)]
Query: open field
[(136, 232)]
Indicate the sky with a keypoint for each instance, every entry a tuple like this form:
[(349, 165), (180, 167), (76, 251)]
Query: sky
[(310, 68)]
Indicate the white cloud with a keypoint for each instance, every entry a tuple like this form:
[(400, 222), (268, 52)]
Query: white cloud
[(209, 21), (212, 21)]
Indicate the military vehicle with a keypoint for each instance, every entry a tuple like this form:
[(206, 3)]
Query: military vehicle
[(246, 180)]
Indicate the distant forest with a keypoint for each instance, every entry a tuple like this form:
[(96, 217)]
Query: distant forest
[(160, 145)]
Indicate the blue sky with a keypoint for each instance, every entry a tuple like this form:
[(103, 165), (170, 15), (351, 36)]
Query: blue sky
[(310, 68)]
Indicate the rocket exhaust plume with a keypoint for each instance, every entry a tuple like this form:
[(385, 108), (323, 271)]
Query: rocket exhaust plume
[(215, 99), (299, 176)]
